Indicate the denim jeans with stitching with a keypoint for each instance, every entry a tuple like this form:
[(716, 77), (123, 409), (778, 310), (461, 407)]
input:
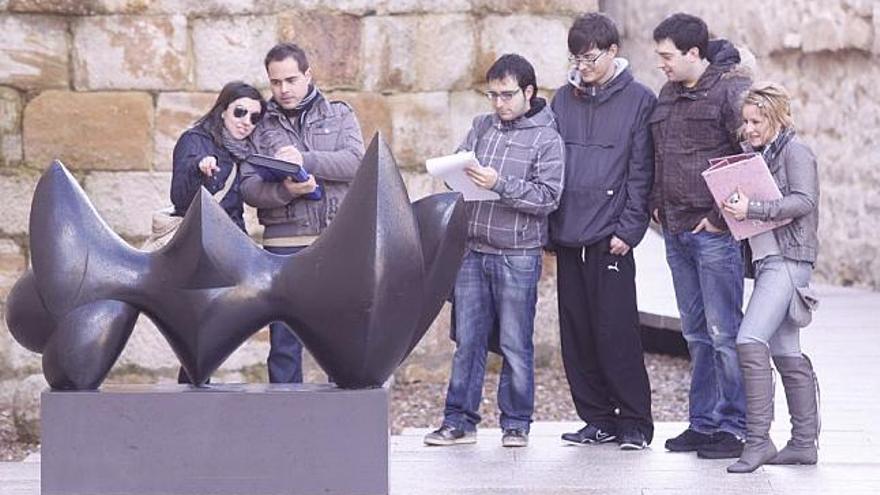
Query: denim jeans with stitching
[(707, 273), (285, 349), (494, 291)]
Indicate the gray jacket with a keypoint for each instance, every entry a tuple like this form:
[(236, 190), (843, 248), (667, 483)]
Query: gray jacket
[(528, 155), (609, 160), (793, 166), (329, 138)]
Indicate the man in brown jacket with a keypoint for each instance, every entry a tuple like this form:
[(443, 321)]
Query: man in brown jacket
[(696, 118), (303, 127)]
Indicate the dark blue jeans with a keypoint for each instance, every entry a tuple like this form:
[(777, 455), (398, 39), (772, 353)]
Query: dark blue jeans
[(707, 272), (494, 289), (285, 349)]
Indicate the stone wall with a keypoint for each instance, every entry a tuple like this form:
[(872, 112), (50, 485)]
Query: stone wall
[(827, 54), (108, 85)]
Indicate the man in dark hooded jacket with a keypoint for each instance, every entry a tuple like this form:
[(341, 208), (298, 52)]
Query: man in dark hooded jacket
[(697, 118), (609, 165)]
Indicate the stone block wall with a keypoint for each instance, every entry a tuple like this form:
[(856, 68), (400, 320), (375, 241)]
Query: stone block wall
[(107, 86), (827, 54)]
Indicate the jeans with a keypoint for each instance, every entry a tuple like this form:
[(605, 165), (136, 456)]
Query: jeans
[(707, 272), (765, 319), (491, 290), (285, 349)]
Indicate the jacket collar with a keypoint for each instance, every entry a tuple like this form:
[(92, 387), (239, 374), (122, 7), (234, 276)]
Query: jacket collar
[(321, 107), (772, 151), (723, 58), (622, 76), (543, 117)]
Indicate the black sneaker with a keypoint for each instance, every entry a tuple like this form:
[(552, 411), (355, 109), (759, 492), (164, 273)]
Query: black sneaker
[(688, 441), (449, 435), (587, 435), (515, 438), (632, 440), (724, 446)]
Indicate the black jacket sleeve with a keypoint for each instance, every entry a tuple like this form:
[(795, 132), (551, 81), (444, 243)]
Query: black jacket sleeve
[(185, 176), (633, 221)]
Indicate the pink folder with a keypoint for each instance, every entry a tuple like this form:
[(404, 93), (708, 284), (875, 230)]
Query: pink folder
[(750, 172)]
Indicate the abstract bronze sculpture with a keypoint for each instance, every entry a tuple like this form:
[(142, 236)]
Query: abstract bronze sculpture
[(362, 295)]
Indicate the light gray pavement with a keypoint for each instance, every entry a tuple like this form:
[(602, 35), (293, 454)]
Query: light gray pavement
[(844, 342)]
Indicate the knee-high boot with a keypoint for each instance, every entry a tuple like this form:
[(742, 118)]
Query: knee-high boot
[(754, 360), (801, 393)]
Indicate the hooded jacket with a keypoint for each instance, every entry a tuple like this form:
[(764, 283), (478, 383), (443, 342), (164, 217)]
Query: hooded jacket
[(690, 126), (609, 160), (528, 155)]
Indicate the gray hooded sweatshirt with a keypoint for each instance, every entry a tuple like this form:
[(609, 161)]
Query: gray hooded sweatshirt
[(528, 155)]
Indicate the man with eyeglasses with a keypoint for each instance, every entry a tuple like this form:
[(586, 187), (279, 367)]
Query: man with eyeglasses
[(520, 157), (697, 118), (603, 215), (303, 127)]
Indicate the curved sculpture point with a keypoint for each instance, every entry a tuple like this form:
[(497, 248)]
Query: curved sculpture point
[(442, 248), (361, 297), (366, 278)]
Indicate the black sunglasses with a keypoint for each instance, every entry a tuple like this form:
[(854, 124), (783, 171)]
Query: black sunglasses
[(239, 112)]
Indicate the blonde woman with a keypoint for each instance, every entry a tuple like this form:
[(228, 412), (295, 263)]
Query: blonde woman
[(783, 260)]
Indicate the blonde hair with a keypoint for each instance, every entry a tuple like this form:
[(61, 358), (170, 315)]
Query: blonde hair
[(773, 102)]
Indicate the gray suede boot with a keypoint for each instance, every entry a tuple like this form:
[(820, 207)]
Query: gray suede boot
[(801, 393), (754, 360)]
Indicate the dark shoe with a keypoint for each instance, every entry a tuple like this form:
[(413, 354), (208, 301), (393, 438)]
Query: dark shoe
[(724, 446), (632, 440), (801, 393), (515, 438), (688, 441), (448, 435), (588, 435)]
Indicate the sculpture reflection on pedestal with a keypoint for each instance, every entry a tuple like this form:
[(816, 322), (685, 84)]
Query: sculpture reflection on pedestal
[(361, 296)]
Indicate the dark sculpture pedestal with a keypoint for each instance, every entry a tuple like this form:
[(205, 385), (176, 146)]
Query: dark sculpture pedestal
[(221, 440)]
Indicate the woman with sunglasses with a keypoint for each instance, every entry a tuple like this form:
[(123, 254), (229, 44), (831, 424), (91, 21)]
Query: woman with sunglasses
[(209, 152), (783, 260)]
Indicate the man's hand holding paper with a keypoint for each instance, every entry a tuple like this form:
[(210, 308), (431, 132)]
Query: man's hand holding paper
[(485, 177), (463, 173)]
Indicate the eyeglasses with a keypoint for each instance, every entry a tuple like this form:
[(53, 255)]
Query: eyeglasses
[(578, 60), (504, 96), (241, 112)]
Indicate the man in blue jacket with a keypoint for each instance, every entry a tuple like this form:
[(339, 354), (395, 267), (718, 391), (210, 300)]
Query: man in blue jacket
[(603, 117)]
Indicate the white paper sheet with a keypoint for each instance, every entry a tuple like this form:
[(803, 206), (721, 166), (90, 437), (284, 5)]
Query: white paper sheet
[(450, 168)]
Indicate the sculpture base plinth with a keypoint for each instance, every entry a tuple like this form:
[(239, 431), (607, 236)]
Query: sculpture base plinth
[(221, 440)]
